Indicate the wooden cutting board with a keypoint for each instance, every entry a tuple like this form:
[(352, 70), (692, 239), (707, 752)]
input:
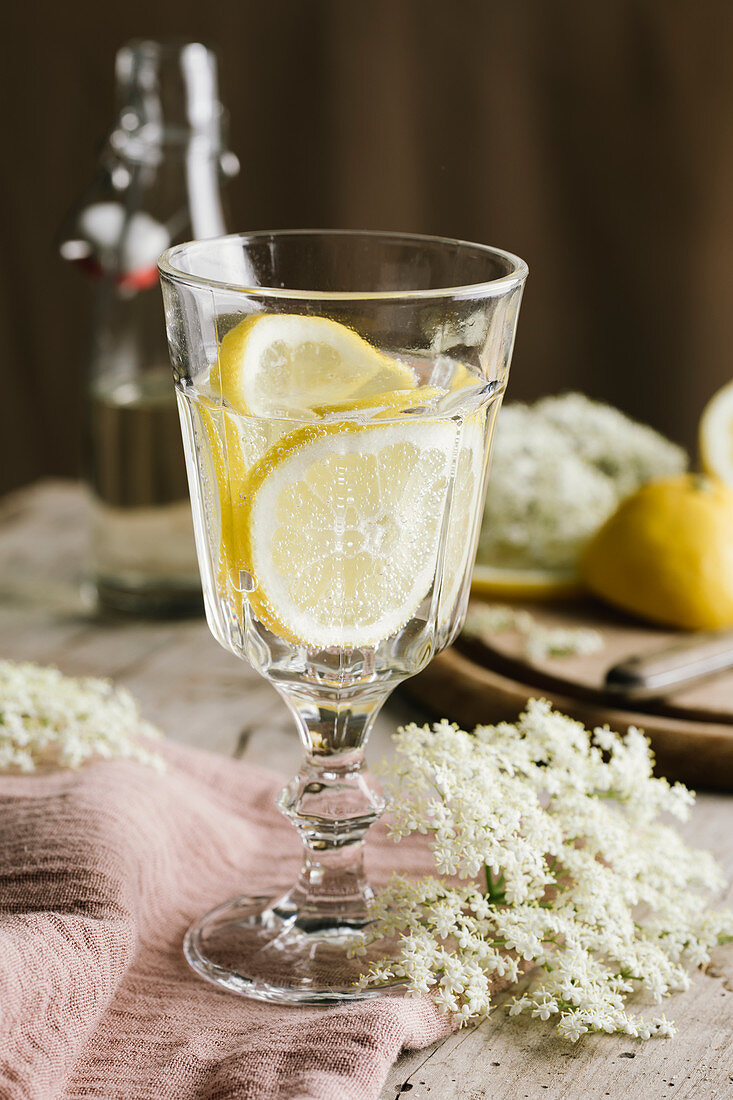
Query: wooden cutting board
[(483, 682)]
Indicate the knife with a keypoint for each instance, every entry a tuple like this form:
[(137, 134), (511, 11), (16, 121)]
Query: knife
[(663, 671)]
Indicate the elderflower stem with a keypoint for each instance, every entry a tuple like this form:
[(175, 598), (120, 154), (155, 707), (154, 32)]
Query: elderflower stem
[(495, 889)]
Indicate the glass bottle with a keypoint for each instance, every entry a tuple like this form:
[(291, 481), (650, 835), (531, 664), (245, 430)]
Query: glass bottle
[(158, 183)]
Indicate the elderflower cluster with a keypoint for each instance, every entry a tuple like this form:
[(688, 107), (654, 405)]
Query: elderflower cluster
[(51, 720), (560, 468), (484, 620), (556, 861)]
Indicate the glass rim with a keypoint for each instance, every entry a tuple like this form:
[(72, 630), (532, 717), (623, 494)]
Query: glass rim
[(487, 288)]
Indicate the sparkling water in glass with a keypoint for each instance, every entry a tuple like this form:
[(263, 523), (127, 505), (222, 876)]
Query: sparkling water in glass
[(337, 393)]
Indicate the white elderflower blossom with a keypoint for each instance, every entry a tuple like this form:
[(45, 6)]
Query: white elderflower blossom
[(557, 863), (559, 469), (51, 720)]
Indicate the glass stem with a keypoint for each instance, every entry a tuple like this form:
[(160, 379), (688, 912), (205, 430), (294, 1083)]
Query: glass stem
[(332, 803)]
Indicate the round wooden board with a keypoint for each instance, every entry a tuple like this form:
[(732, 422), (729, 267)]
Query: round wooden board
[(692, 734), (583, 675)]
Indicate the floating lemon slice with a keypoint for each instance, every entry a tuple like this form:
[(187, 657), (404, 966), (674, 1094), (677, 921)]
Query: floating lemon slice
[(285, 364), (716, 435), (339, 528), (230, 469), (497, 582), (384, 404)]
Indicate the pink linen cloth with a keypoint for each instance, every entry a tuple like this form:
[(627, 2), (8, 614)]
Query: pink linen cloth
[(101, 872)]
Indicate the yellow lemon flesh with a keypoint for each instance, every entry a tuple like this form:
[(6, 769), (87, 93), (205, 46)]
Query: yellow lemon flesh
[(667, 554), (339, 529), (286, 364), (716, 435)]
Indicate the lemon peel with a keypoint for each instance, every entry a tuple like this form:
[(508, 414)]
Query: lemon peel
[(384, 404)]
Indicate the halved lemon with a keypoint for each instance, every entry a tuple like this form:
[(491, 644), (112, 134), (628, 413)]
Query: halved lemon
[(281, 364), (667, 554), (339, 529), (716, 435), (498, 582)]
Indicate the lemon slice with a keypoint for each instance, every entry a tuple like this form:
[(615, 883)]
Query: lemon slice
[(497, 582), (230, 468), (234, 444), (285, 364), (384, 404), (716, 435), (340, 528)]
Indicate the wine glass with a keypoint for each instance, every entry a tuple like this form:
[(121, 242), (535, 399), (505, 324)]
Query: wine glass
[(337, 394)]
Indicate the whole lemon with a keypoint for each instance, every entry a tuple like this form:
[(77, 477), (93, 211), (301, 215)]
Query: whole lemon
[(667, 554)]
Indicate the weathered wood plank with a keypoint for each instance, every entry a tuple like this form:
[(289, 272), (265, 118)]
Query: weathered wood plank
[(43, 549), (511, 1058)]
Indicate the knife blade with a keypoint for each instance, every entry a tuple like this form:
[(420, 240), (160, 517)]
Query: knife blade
[(659, 673)]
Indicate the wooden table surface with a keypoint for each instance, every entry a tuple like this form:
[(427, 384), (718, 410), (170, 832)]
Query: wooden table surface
[(200, 695)]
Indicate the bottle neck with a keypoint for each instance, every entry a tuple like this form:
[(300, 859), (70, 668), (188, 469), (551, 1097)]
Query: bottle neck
[(162, 169), (171, 124), (173, 194), (202, 172), (167, 93)]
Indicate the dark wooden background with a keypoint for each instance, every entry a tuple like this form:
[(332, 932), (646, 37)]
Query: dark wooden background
[(594, 139)]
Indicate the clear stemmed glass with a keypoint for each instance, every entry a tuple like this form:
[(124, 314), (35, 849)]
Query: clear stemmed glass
[(337, 393)]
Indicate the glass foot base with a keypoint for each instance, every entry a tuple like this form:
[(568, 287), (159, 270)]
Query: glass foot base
[(255, 947)]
